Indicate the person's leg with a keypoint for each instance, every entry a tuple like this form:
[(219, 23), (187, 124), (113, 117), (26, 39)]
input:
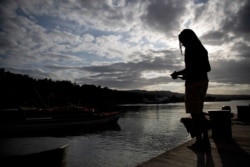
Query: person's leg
[(201, 133), (203, 89), (192, 104), (198, 145), (197, 127), (194, 100), (205, 137)]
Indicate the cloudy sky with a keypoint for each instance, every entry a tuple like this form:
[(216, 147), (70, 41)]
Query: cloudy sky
[(125, 44)]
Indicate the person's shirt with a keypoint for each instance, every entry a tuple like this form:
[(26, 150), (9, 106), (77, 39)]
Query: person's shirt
[(197, 64)]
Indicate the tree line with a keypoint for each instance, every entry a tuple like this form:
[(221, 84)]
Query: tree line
[(19, 90)]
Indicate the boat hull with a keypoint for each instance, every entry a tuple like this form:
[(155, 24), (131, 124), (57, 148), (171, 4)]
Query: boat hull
[(59, 125)]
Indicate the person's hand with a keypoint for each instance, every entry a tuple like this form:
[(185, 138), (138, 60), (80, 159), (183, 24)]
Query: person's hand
[(174, 75)]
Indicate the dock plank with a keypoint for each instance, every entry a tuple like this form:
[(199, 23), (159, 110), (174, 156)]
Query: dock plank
[(228, 153)]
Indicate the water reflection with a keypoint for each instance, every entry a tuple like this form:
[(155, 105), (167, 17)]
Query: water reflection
[(145, 132)]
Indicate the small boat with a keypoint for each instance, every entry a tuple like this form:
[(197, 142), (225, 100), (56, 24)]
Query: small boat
[(56, 120), (37, 151)]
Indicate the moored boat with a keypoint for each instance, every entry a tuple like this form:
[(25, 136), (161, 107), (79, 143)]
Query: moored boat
[(37, 151), (57, 120)]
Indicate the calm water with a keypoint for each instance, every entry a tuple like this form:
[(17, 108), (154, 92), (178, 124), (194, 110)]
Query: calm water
[(145, 131)]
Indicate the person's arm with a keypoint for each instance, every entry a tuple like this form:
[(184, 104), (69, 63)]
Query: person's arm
[(177, 74), (181, 72)]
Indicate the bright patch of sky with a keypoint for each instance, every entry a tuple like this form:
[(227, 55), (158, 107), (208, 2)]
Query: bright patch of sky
[(152, 74)]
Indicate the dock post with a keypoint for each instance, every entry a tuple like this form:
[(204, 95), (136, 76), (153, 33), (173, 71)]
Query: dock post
[(243, 113), (221, 124)]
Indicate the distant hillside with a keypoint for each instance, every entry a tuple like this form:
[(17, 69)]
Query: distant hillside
[(227, 97), (21, 90), (180, 96)]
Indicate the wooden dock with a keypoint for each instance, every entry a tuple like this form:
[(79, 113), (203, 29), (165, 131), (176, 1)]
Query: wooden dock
[(231, 153)]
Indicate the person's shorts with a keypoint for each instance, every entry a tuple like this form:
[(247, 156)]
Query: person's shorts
[(194, 96)]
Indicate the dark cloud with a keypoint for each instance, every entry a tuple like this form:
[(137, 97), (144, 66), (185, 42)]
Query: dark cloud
[(168, 61), (230, 71), (240, 22), (129, 75), (242, 19), (215, 37), (200, 1), (242, 49), (164, 16), (35, 73)]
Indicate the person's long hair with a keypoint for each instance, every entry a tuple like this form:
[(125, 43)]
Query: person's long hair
[(189, 39)]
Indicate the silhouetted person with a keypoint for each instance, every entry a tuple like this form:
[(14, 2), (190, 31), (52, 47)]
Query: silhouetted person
[(196, 83)]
